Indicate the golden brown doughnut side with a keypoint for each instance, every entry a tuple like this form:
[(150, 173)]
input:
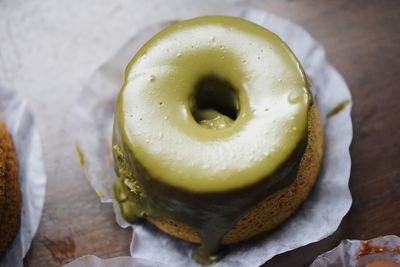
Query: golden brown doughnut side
[(381, 263), (2, 179), (10, 196), (275, 209)]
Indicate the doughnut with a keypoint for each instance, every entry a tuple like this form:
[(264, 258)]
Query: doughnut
[(10, 196), (216, 136)]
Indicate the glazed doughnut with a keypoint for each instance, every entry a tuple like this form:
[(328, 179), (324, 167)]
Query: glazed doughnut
[(211, 125)]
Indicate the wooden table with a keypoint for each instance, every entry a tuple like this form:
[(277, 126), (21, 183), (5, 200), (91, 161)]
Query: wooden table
[(362, 39)]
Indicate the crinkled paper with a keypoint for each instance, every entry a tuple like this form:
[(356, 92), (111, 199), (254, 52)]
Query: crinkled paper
[(320, 215)]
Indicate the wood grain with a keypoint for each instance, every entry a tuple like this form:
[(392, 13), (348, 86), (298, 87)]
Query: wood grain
[(362, 40)]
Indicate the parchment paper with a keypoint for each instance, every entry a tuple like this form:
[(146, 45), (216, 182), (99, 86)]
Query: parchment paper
[(31, 172), (320, 215), (346, 253)]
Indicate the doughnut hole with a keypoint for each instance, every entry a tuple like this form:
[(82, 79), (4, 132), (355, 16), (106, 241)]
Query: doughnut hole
[(215, 103)]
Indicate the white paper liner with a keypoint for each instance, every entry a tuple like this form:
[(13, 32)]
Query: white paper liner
[(123, 261), (31, 172), (346, 253), (320, 215)]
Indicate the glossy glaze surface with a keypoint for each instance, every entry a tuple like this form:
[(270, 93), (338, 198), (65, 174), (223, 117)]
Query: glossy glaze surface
[(155, 108)]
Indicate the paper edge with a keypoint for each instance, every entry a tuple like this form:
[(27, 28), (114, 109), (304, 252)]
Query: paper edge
[(353, 245)]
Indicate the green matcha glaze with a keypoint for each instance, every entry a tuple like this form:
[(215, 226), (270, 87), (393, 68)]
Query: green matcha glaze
[(211, 119), (338, 108)]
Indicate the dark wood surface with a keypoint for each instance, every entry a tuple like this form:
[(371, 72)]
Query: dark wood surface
[(362, 40)]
